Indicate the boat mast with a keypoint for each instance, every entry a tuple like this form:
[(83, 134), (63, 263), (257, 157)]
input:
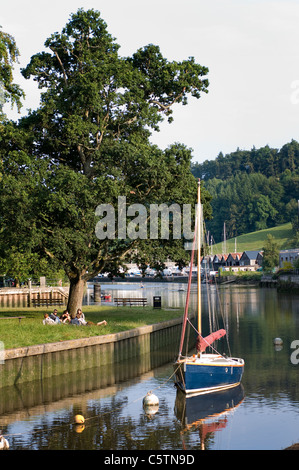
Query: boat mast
[(199, 225), (188, 293)]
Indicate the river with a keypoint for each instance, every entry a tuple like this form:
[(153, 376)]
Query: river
[(261, 414)]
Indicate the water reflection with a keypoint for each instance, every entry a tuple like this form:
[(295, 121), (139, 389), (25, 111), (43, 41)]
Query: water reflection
[(114, 419), (173, 295), (206, 413), (16, 401), (233, 300)]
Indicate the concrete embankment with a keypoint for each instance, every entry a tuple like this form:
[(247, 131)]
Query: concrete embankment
[(287, 282), (46, 360)]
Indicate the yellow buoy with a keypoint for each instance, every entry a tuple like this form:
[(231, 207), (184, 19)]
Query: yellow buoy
[(79, 419), (79, 428)]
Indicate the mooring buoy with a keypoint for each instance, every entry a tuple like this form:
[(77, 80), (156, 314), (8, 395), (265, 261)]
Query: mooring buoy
[(278, 341), (150, 399), (150, 404), (79, 419)]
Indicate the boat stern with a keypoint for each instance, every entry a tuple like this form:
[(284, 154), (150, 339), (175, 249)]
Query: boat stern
[(208, 373)]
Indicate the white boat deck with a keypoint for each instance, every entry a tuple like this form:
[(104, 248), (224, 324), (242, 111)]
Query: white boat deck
[(213, 359)]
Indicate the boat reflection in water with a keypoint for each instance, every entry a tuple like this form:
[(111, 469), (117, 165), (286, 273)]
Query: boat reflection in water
[(208, 413)]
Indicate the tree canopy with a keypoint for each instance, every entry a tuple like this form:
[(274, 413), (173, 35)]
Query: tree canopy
[(9, 53), (88, 143), (252, 190), (94, 100)]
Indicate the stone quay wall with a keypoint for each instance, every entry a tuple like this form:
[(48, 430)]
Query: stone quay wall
[(47, 360)]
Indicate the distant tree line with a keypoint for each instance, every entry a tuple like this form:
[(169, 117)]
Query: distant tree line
[(252, 189)]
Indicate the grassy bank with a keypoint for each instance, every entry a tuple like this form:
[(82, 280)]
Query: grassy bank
[(256, 240), (31, 330)]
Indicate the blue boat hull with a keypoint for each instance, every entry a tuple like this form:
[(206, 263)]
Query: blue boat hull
[(200, 377)]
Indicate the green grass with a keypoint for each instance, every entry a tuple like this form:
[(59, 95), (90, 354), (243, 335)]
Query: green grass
[(31, 330), (256, 240)]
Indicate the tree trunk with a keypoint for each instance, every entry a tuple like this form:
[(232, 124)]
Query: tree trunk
[(76, 292)]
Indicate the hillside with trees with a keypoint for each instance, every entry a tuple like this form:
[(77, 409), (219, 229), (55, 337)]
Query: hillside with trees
[(252, 189)]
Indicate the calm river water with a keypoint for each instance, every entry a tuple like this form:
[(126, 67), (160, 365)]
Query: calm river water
[(261, 414)]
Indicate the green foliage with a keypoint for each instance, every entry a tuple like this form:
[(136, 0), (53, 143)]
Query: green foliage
[(287, 267), (96, 101), (253, 277), (268, 161), (18, 264), (293, 242), (9, 54), (271, 254), (252, 190)]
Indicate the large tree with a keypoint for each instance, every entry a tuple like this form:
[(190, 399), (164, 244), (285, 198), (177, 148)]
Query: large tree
[(91, 145)]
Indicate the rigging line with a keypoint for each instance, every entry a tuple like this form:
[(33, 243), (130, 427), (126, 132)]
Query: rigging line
[(221, 311), (213, 321), (187, 339), (192, 326), (209, 301), (188, 291), (222, 315), (215, 350), (163, 383)]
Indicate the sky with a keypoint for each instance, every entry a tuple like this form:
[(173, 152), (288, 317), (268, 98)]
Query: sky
[(251, 48)]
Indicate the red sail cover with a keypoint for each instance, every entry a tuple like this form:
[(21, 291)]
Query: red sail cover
[(203, 343)]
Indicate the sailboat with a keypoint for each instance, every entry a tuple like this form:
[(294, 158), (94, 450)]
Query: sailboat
[(204, 372)]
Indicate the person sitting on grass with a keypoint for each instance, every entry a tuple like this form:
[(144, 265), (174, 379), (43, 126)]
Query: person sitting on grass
[(80, 320), (47, 320), (65, 317), (54, 316), (81, 317)]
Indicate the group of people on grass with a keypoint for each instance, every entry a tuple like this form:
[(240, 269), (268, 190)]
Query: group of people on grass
[(53, 318)]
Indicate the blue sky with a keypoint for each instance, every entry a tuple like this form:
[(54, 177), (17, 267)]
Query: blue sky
[(251, 48)]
